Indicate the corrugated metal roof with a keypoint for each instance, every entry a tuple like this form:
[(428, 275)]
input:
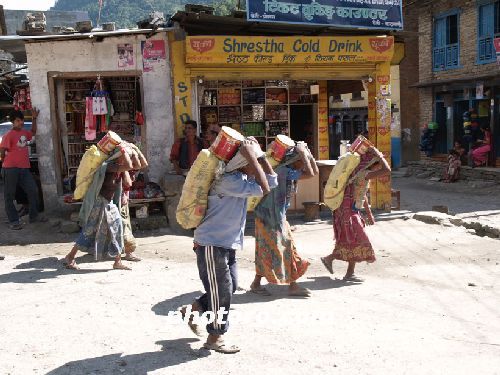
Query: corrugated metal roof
[(14, 44)]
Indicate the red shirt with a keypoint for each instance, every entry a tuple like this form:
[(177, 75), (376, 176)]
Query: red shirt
[(193, 151), (15, 142)]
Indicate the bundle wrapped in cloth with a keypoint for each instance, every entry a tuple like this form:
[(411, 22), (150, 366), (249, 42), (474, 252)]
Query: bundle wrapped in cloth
[(342, 174), (194, 198), (110, 147), (275, 154)]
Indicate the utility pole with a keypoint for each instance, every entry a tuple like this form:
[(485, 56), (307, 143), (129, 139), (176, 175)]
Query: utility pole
[(3, 25)]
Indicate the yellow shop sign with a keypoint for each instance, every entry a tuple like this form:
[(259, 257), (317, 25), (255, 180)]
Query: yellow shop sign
[(244, 50)]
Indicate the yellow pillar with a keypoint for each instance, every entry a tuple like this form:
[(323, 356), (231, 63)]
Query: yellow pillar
[(372, 131), (323, 139), (383, 132), (181, 82)]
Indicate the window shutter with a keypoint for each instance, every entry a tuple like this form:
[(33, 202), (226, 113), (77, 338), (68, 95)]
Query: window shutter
[(486, 30)]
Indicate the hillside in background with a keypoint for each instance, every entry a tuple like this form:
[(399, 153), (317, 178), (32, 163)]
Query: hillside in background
[(126, 13)]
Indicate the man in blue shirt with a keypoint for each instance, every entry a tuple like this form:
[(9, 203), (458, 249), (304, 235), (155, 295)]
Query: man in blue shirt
[(221, 233)]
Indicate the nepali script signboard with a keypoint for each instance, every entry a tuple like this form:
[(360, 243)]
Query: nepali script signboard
[(367, 14), (261, 50)]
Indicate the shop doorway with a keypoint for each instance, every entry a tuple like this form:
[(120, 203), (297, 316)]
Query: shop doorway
[(302, 123), (441, 138), (460, 107), (260, 108)]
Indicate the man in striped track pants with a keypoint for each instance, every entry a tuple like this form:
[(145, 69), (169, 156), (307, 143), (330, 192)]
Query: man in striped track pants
[(221, 234)]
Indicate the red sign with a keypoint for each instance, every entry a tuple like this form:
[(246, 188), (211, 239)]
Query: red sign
[(381, 44), (496, 42), (202, 44), (383, 131), (384, 80), (154, 50)]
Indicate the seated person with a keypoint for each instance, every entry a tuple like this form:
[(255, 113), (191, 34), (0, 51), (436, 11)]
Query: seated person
[(452, 172), (185, 150), (479, 154), (457, 146)]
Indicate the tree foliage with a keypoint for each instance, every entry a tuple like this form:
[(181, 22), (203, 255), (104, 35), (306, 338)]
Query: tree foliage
[(126, 13)]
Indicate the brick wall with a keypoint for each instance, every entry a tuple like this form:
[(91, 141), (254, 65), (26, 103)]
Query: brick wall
[(468, 28), (468, 41)]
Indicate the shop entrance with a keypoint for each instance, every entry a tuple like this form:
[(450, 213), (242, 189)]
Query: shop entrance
[(303, 122), (72, 91), (260, 108)]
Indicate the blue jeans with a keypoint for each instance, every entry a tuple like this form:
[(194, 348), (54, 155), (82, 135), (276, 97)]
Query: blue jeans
[(217, 270), (22, 176)]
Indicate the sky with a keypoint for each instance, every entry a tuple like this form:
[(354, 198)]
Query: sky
[(27, 4)]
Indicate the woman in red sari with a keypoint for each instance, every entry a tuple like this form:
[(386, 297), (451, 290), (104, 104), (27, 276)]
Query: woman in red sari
[(480, 154), (352, 244)]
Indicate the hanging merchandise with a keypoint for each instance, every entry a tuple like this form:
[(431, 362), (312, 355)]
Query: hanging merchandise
[(22, 99), (139, 118), (98, 111)]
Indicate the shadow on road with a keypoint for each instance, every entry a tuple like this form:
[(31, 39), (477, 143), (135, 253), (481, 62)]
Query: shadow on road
[(172, 353), (41, 269), (172, 304), (281, 291)]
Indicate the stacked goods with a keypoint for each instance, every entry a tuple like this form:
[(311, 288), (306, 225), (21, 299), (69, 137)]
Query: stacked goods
[(275, 154), (194, 198)]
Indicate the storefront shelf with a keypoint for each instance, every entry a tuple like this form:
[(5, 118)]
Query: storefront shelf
[(284, 120)]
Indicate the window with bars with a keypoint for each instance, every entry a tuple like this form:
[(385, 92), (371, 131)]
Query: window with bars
[(446, 48), (488, 29)]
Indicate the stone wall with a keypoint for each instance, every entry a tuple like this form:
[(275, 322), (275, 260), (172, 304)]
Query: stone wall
[(429, 169)]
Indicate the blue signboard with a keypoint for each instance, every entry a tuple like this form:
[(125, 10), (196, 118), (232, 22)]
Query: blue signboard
[(365, 14)]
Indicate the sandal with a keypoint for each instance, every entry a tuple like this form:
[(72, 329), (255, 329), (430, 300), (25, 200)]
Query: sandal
[(327, 266), (131, 258), (260, 291), (15, 226), (220, 347)]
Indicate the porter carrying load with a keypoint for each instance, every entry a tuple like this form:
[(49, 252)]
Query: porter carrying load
[(194, 199)]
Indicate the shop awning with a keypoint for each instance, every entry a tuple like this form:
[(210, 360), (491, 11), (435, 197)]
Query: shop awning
[(492, 79)]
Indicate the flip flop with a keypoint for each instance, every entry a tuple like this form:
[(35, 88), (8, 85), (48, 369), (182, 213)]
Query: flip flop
[(132, 258), (302, 292), (121, 267), (327, 266), (260, 291), (221, 347)]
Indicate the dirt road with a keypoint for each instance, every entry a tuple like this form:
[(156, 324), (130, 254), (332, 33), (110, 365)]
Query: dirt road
[(429, 305)]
